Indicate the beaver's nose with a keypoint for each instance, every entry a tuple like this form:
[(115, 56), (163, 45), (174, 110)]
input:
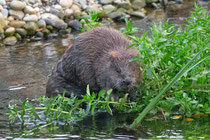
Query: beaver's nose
[(126, 82)]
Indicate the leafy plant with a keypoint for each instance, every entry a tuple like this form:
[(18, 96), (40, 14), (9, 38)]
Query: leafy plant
[(90, 21), (168, 49)]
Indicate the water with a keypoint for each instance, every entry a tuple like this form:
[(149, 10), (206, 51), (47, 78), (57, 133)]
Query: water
[(24, 70)]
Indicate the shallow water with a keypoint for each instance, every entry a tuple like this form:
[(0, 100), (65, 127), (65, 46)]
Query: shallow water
[(24, 69)]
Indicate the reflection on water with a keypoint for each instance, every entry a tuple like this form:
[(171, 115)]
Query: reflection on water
[(24, 69)]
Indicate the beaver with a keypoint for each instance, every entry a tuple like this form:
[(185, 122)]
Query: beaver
[(98, 58)]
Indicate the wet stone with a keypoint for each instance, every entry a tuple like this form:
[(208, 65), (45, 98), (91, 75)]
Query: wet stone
[(31, 27), (138, 14), (18, 36), (39, 34), (41, 23), (21, 31), (75, 25), (59, 24), (11, 40), (9, 31)]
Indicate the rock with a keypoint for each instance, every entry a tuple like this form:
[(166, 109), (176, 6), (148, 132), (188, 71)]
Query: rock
[(59, 24), (9, 31), (45, 32), (1, 7), (31, 27), (18, 36), (49, 16), (66, 3), (16, 14), (68, 12), (39, 34), (118, 15), (3, 22), (1, 31), (17, 5), (138, 4), (10, 18), (138, 14), (21, 31), (57, 12), (11, 40), (5, 13), (151, 1), (2, 2), (94, 7), (33, 18), (76, 9), (75, 25), (109, 8), (83, 4), (106, 1), (29, 10), (50, 27), (123, 3), (17, 23), (41, 23)]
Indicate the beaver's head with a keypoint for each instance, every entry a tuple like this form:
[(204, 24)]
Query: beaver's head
[(117, 72)]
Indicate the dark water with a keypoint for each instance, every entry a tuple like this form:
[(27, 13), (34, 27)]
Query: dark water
[(24, 69)]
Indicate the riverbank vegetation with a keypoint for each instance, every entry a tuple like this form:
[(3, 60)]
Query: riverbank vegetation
[(176, 80)]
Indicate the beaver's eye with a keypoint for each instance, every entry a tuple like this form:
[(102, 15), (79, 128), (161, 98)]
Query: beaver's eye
[(118, 70)]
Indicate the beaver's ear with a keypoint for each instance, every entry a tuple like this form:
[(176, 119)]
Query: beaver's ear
[(114, 54)]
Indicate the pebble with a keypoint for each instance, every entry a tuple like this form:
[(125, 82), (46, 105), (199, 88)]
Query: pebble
[(138, 4), (5, 13), (2, 2), (31, 27), (21, 31), (59, 24), (109, 8), (18, 36), (16, 14), (3, 22), (41, 23), (106, 1), (66, 3), (17, 5), (11, 40), (29, 10), (138, 14), (76, 10), (17, 23), (29, 18), (75, 25)]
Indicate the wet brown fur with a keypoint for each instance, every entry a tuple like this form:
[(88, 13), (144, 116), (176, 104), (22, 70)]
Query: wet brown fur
[(98, 58)]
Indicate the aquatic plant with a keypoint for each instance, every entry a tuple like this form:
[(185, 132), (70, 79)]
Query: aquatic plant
[(169, 49)]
